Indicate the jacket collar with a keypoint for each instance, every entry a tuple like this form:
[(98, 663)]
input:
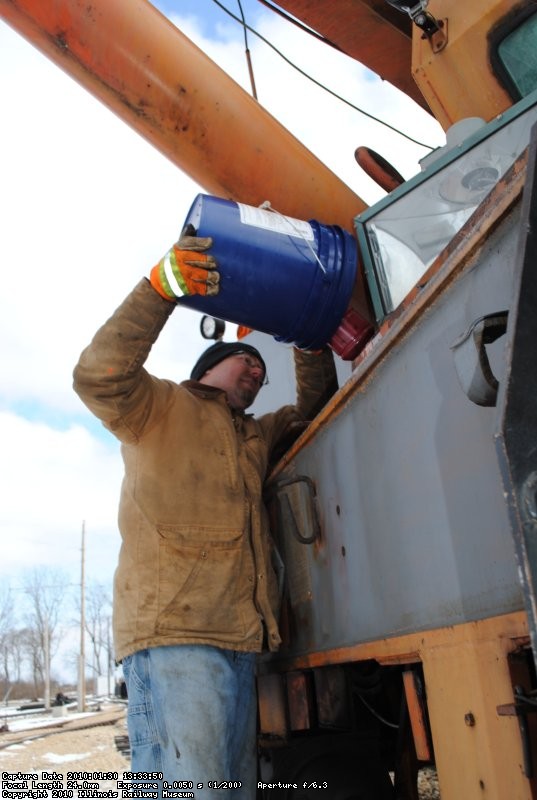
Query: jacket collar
[(203, 390), (207, 392)]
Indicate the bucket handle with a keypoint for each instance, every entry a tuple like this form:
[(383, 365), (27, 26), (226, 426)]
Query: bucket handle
[(266, 206)]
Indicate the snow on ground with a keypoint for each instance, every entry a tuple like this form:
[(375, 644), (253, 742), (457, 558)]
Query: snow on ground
[(90, 750), (18, 723)]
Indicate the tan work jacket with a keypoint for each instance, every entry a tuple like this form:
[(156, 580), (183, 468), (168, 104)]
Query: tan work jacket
[(195, 560)]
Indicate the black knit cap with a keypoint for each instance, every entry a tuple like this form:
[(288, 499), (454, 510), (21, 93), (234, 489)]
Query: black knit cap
[(218, 352)]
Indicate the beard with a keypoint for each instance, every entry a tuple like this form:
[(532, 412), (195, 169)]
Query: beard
[(246, 395), (242, 396)]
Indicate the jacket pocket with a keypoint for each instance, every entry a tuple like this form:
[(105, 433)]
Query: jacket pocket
[(198, 583)]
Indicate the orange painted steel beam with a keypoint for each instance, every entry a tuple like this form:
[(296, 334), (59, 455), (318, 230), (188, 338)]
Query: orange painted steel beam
[(143, 68), (133, 59), (417, 715)]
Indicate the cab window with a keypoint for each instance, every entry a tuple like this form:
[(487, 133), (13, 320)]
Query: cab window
[(514, 52)]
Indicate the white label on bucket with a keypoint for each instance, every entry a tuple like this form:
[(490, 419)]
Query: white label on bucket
[(274, 221)]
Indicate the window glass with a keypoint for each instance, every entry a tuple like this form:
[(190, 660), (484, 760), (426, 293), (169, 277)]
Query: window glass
[(405, 234), (518, 54)]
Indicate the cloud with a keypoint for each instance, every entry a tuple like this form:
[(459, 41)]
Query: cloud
[(51, 482), (328, 127), (87, 208)]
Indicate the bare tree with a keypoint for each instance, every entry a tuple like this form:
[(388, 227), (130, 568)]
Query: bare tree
[(15, 646), (45, 590), (33, 649), (6, 626), (97, 617)]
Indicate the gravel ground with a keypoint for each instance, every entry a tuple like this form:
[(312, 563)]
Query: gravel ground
[(428, 785), (95, 750), (89, 750)]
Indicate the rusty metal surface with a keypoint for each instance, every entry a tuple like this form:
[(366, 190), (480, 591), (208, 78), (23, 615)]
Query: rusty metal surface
[(300, 701), (459, 254), (415, 532), (417, 711), (272, 705), (517, 417), (405, 649), (333, 697)]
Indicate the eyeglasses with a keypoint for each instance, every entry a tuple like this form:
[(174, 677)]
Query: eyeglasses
[(252, 363)]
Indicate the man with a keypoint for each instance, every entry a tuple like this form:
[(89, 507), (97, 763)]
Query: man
[(195, 594)]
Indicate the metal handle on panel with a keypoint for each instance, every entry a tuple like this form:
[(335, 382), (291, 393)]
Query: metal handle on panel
[(471, 360), (287, 518)]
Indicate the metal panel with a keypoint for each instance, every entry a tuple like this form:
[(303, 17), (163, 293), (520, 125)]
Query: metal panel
[(517, 425), (300, 701), (415, 530), (271, 704)]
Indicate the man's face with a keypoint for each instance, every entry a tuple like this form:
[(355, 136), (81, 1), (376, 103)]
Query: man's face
[(240, 376)]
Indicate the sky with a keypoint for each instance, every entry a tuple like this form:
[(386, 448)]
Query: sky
[(86, 208)]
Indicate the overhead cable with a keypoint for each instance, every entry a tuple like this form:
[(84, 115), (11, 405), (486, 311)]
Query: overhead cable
[(247, 51), (318, 83)]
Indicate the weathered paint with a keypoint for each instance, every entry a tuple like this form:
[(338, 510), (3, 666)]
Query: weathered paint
[(478, 752), (458, 81), (415, 531), (517, 419), (271, 704), (416, 562), (143, 68), (454, 82), (458, 255), (418, 717)]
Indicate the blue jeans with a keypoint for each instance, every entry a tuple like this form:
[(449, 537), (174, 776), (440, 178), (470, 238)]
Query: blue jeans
[(192, 715)]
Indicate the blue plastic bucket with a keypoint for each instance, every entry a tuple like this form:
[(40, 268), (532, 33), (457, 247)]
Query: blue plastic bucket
[(285, 277)]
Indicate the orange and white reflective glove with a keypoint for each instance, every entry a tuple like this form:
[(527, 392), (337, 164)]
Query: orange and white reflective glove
[(186, 269)]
